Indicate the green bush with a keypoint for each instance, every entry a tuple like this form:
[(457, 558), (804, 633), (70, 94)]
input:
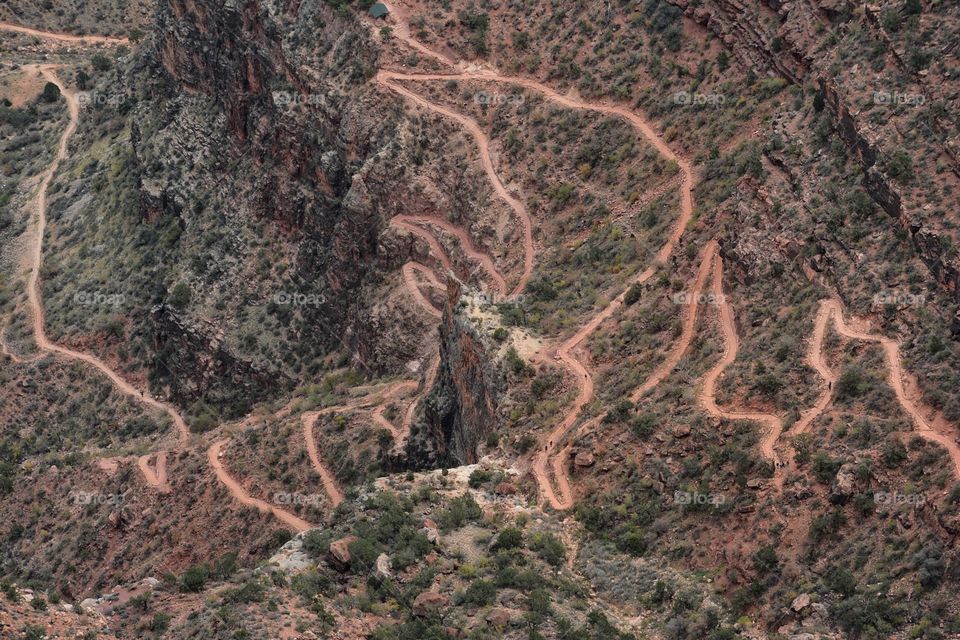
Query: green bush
[(462, 509), (51, 93), (550, 548), (363, 553), (851, 384), (633, 294), (509, 538), (180, 296), (317, 542), (194, 578), (480, 592)]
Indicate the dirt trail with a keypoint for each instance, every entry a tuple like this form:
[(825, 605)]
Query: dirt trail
[(567, 356), (709, 254), (63, 37), (156, 479), (329, 482), (565, 351), (412, 407), (410, 279), (816, 360), (708, 394), (385, 78), (241, 496), (466, 243), (377, 414), (891, 349), (36, 302)]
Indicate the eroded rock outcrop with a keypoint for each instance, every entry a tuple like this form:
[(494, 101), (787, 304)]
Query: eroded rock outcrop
[(462, 408), (200, 367)]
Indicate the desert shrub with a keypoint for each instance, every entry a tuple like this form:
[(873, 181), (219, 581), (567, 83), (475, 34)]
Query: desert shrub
[(317, 542), (893, 453), (480, 477), (460, 510), (633, 294), (867, 615), (100, 62), (825, 468), (851, 384), (826, 525), (363, 553), (841, 581), (550, 548), (159, 623), (180, 296), (309, 584), (194, 578), (250, 591), (51, 93), (509, 538), (480, 592)]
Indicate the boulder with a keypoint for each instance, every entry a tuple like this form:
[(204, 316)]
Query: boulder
[(681, 431), (801, 602), (429, 603), (843, 485), (89, 604), (817, 612), (499, 618), (339, 555), (505, 489), (382, 566), (431, 531), (584, 459)]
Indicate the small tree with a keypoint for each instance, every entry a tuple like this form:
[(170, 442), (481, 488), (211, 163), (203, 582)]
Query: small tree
[(51, 93), (180, 296)]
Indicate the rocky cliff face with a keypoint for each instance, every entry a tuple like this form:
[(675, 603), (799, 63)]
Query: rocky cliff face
[(290, 126), (796, 58), (217, 375), (295, 129), (462, 408)]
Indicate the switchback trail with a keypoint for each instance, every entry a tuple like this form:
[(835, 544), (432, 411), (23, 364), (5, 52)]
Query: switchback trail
[(565, 353), (36, 302), (241, 496), (386, 79), (708, 394), (709, 254), (410, 280), (63, 37), (466, 243), (891, 350), (308, 420), (816, 360), (377, 414)]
